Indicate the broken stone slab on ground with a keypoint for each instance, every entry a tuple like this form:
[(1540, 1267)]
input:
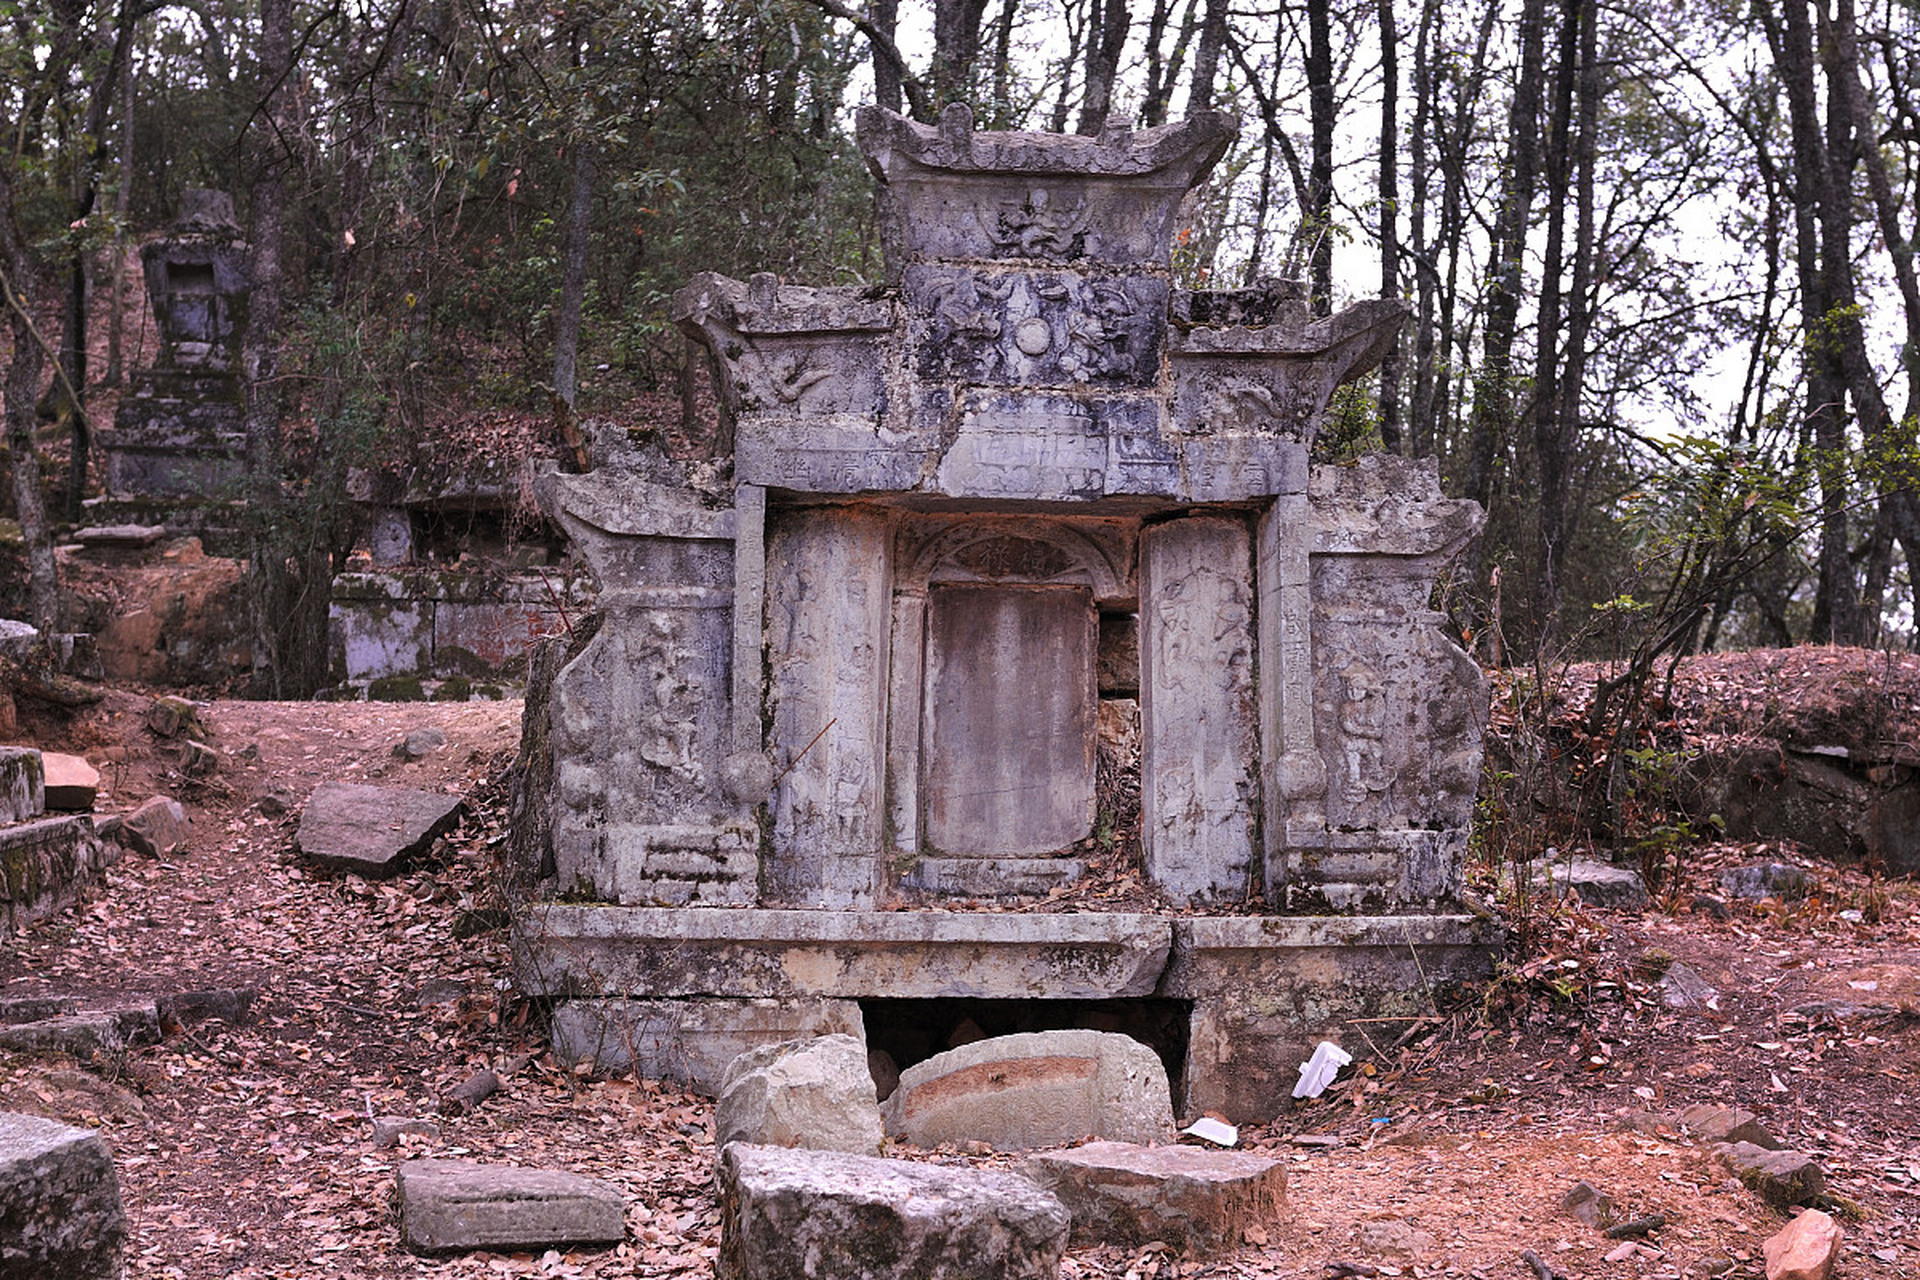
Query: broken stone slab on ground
[(1596, 883), (1760, 880), (451, 1205), (158, 828), (1782, 1178), (388, 1130), (1715, 1124), (372, 831), (71, 783), (827, 1215), (1681, 988), (815, 1093), (690, 1043), (1588, 1204), (1805, 1249), (1191, 1198), (1035, 1089), (60, 1214)]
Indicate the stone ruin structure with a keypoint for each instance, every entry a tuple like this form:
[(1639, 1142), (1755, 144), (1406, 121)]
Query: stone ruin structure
[(180, 432), (831, 709)]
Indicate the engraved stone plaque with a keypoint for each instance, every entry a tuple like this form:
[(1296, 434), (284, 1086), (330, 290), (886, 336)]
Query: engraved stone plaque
[(1008, 767)]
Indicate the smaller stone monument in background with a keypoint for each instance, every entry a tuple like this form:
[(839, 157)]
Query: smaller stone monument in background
[(180, 429)]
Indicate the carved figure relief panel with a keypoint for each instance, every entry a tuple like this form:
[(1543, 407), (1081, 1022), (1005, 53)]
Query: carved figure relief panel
[(1038, 329)]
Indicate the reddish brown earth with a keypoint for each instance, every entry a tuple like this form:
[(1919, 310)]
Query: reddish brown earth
[(244, 1151)]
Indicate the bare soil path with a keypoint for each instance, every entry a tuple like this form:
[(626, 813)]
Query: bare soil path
[(245, 1151)]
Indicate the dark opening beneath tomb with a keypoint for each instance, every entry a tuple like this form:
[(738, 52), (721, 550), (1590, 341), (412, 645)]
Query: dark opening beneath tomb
[(911, 1031)]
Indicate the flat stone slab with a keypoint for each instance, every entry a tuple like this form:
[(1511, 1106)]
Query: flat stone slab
[(815, 1093), (690, 1042), (372, 831), (120, 535), (571, 949), (71, 782), (1192, 1198), (1781, 1178), (1713, 1124), (827, 1215), (450, 1205), (1035, 1089), (60, 1214), (1596, 883)]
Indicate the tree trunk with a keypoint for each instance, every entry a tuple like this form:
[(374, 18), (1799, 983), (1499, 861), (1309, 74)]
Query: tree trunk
[(18, 399), (1206, 56), (573, 273), (956, 44), (1106, 39), (1319, 211), (123, 194), (1549, 433), (1390, 220), (886, 76)]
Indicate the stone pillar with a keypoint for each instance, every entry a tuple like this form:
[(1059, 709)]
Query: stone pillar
[(828, 614), (1197, 772), (1293, 779)]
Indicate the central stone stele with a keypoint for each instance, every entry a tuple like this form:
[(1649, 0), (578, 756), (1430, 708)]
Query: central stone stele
[(1026, 493)]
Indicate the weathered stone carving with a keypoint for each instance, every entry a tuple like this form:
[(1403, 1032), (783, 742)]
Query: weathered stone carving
[(975, 514)]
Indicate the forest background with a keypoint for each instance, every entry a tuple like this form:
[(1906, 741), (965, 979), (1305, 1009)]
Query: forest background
[(1660, 256)]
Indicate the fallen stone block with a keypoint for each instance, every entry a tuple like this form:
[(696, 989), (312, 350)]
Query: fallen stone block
[(1598, 884), (232, 1005), (23, 792), (451, 1205), (1805, 1249), (1191, 1198), (158, 828), (828, 1215), (83, 1035), (1781, 1178), (1712, 1125), (1035, 1089), (372, 831), (814, 1093), (60, 1214), (17, 1009), (172, 717), (1681, 988), (120, 536), (71, 783), (1764, 880), (690, 1042), (48, 863)]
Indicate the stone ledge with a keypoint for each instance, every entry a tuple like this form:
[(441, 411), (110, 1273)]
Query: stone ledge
[(743, 951)]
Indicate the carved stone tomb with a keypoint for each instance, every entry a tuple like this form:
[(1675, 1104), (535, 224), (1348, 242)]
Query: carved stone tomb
[(1028, 498)]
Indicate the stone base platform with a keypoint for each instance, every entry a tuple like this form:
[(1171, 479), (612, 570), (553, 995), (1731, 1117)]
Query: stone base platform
[(45, 865), (1261, 990)]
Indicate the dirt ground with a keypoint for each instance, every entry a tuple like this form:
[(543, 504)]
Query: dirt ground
[(245, 1150)]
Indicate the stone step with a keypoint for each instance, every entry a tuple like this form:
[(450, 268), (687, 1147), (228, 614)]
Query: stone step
[(85, 1034), (60, 1214)]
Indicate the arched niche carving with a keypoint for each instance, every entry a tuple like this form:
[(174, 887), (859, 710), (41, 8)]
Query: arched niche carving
[(1016, 550)]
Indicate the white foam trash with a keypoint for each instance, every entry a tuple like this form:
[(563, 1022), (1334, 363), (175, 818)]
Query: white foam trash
[(1317, 1072)]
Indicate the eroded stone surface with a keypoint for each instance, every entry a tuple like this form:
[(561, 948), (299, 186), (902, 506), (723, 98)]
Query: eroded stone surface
[(451, 1205), (49, 862), (22, 784), (157, 827), (1781, 1178), (372, 830), (60, 1214), (815, 1093), (690, 1042), (1805, 1249), (1192, 1198), (1035, 1089), (818, 1215)]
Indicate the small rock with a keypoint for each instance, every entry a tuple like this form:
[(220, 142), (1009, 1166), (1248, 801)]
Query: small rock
[(60, 1214), (420, 743), (1035, 1089), (1782, 1178), (1599, 884), (1192, 1198), (173, 717), (1621, 1252), (451, 1205), (71, 782), (439, 991), (1764, 880), (1713, 1125), (1705, 904), (276, 803), (372, 831), (388, 1130), (158, 828), (1393, 1237), (17, 639), (1588, 1204), (472, 1091), (815, 1093), (828, 1215), (1681, 987), (1804, 1249), (198, 760)]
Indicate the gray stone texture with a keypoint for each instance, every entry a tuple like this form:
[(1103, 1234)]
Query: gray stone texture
[(1195, 1199), (157, 827), (1035, 1089), (23, 792), (46, 864), (1781, 1178), (1008, 768), (1198, 763), (1714, 1124), (690, 1042), (372, 831), (818, 1215), (815, 1093), (1759, 880), (60, 1214), (447, 1206), (1596, 883)]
